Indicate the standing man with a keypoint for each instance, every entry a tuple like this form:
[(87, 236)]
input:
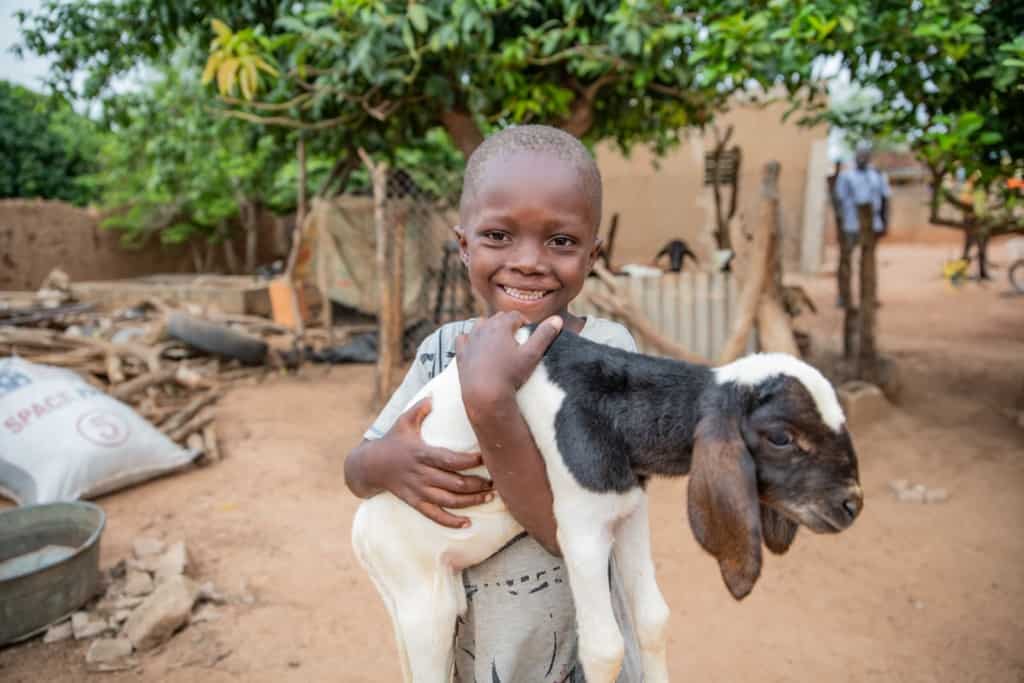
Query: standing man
[(862, 184)]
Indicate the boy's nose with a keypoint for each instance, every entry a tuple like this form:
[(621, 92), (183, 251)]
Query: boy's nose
[(527, 259)]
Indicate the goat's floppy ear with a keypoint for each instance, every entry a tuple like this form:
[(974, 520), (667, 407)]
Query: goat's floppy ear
[(722, 502), (778, 531)]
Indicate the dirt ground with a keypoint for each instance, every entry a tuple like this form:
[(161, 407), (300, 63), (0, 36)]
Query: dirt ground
[(911, 593)]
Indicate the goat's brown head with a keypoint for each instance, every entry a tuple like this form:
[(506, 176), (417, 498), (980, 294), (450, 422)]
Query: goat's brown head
[(771, 452)]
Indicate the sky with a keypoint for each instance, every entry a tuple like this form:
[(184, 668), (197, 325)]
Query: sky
[(29, 71)]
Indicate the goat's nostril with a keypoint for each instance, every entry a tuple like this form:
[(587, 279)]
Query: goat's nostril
[(852, 506)]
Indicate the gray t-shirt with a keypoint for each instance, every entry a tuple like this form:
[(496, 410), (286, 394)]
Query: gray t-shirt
[(520, 623)]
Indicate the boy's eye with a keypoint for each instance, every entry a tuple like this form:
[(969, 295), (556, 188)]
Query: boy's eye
[(562, 241), (495, 235)]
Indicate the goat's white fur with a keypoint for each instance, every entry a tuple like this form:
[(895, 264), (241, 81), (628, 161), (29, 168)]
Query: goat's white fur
[(756, 368)]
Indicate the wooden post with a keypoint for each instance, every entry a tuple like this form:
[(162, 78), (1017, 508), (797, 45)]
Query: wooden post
[(775, 333), (844, 274), (389, 348), (396, 224), (867, 352)]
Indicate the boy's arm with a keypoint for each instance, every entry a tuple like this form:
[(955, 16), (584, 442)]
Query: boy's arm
[(492, 367), (425, 477)]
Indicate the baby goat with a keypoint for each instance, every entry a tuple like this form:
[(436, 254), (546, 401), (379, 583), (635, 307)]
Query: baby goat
[(764, 442)]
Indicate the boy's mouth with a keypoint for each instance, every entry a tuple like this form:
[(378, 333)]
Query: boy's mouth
[(526, 295)]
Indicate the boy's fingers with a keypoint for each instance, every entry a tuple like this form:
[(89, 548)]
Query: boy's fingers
[(441, 516), (534, 347), (446, 499), (418, 413), (456, 483), (452, 461)]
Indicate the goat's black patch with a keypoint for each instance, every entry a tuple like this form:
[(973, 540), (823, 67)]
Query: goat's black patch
[(625, 416)]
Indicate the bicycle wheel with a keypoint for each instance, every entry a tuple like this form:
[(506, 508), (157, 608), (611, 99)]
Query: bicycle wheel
[(1016, 273)]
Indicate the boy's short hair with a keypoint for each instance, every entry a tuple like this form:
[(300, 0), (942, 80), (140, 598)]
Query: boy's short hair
[(540, 139)]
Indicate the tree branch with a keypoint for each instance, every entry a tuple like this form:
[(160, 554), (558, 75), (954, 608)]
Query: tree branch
[(581, 116), (462, 129), (285, 121)]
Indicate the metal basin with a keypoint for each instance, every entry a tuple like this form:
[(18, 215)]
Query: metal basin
[(49, 564)]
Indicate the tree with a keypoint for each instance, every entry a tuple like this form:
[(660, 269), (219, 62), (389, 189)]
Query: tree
[(170, 167), (45, 147), (945, 77), (636, 72)]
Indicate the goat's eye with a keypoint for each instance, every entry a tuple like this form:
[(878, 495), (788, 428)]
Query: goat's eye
[(779, 438)]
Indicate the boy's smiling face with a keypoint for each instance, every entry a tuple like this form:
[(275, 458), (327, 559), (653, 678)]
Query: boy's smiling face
[(529, 235)]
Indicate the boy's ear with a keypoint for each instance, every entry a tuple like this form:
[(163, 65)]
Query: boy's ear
[(460, 235)]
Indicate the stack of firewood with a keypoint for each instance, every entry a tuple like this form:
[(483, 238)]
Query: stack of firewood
[(129, 355)]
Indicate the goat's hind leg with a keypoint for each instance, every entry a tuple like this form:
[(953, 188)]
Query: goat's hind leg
[(426, 626), (648, 608), (586, 549)]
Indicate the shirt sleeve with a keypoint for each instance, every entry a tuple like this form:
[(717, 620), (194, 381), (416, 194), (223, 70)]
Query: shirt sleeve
[(612, 334), (884, 182), (415, 379)]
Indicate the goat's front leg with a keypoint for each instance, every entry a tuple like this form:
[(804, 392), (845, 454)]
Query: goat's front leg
[(586, 548), (650, 612)]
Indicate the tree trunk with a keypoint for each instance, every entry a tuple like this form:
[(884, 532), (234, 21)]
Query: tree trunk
[(197, 256), (210, 257), (867, 353), (300, 200), (983, 257), (462, 129), (230, 257)]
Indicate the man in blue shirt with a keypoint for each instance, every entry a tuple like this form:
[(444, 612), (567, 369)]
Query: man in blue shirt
[(862, 184)]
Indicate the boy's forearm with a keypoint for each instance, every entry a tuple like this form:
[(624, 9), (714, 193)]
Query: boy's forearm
[(356, 475), (516, 466)]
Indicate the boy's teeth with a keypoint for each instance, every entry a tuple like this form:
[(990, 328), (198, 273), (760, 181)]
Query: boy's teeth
[(525, 294)]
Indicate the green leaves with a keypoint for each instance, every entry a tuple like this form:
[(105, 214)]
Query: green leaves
[(418, 17)]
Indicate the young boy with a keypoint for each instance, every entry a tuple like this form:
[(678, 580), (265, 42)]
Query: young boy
[(529, 215)]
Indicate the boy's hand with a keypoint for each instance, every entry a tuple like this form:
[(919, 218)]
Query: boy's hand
[(425, 477), (492, 364)]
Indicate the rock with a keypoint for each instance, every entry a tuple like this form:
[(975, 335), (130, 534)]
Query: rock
[(913, 494), (205, 613), (138, 583), (863, 403), (121, 615), (897, 485), (146, 546), (58, 632), (127, 603), (146, 564), (936, 496), (162, 613), (84, 626), (172, 563), (209, 593), (107, 650)]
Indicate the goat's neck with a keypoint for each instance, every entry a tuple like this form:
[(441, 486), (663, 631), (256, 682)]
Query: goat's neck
[(646, 407)]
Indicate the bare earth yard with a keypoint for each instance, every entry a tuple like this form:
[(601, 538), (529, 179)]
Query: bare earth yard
[(912, 593)]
